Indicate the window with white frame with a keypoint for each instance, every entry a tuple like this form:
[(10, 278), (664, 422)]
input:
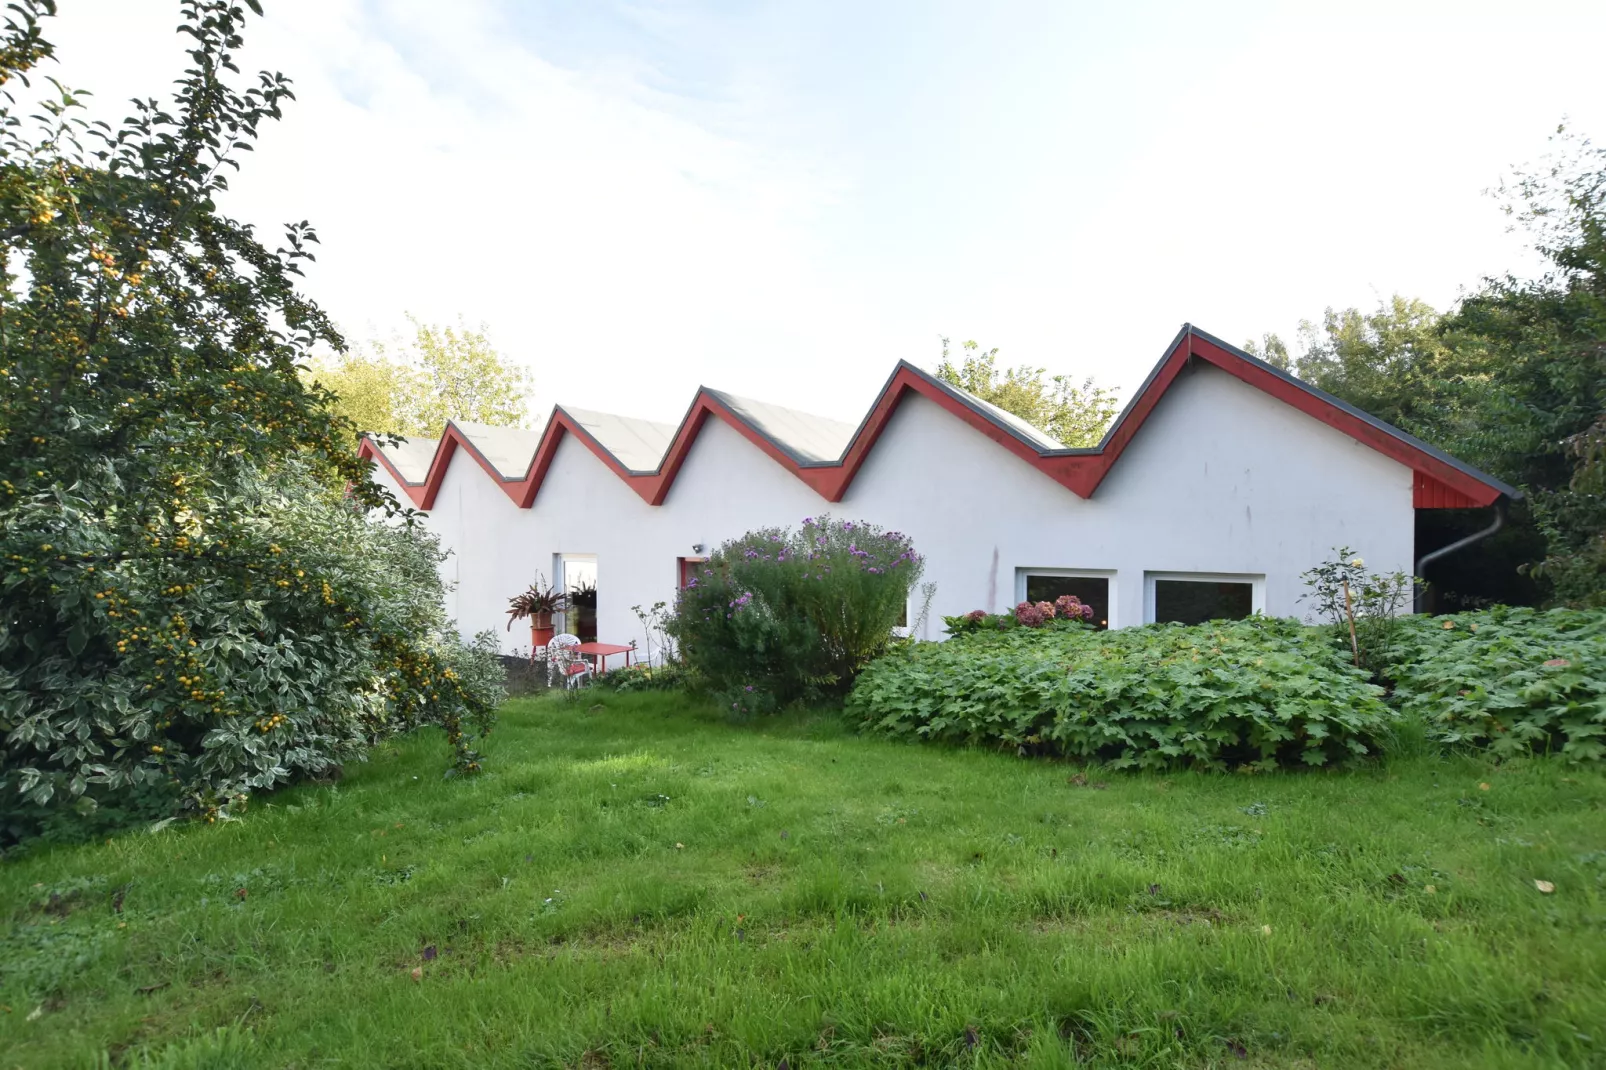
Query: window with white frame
[(1091, 587), (1195, 597)]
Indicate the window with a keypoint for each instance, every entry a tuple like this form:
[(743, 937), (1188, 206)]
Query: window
[(686, 568), (1193, 598), (1046, 584)]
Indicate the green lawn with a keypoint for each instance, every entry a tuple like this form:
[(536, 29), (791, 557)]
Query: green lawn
[(635, 882)]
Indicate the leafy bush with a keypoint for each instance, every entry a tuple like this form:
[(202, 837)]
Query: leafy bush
[(1251, 694), (745, 702), (669, 676), (274, 636), (795, 614), (1512, 680), (1361, 608)]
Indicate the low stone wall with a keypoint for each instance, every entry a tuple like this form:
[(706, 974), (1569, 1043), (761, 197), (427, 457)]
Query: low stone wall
[(524, 677)]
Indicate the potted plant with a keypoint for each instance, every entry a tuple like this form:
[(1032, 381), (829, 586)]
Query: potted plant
[(583, 600), (537, 604)]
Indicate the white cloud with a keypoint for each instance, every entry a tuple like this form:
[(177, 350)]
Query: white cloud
[(785, 201)]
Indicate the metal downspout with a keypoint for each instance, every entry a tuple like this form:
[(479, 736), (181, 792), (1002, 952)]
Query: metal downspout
[(1460, 544)]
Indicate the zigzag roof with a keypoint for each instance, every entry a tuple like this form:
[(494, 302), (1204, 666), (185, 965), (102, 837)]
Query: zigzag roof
[(827, 454)]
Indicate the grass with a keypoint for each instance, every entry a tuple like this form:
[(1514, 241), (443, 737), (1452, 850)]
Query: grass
[(634, 882)]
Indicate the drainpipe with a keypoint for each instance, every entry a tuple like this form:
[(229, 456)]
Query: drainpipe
[(1460, 544)]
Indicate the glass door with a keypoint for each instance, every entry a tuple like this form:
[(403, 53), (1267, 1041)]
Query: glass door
[(578, 575)]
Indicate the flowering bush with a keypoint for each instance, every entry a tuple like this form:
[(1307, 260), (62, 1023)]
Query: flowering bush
[(1032, 616), (1067, 609), (795, 613), (1244, 694)]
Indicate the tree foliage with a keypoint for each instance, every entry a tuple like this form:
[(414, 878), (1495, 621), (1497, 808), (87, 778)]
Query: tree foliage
[(192, 596), (413, 388), (1076, 415), (1271, 349)]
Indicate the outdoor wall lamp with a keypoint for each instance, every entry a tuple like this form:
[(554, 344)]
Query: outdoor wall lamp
[(696, 547)]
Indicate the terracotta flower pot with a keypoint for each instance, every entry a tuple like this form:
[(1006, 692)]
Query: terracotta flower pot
[(541, 630)]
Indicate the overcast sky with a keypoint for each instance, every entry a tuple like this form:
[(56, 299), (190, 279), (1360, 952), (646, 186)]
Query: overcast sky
[(783, 199)]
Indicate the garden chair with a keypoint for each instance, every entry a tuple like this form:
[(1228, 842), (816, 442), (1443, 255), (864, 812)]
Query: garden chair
[(562, 660)]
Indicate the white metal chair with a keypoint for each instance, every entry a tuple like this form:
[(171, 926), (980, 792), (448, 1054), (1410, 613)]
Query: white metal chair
[(562, 660)]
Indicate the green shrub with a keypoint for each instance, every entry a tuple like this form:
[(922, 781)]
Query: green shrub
[(669, 676), (1363, 609), (794, 614), (274, 637), (1250, 694), (1513, 680)]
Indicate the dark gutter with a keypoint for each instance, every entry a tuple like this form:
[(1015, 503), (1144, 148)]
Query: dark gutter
[(1460, 544)]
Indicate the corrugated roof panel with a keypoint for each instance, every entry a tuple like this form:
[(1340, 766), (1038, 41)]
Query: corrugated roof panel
[(411, 456), (808, 438), (509, 449), (639, 445)]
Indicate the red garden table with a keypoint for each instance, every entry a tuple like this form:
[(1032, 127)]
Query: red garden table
[(601, 651)]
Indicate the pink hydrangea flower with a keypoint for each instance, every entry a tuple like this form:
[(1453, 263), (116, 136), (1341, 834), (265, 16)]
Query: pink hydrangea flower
[(1029, 615), (1071, 608)]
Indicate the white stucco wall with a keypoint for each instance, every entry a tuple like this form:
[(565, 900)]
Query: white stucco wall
[(1222, 479)]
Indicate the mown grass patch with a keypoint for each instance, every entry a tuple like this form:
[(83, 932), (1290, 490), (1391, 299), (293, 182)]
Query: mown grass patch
[(634, 881)]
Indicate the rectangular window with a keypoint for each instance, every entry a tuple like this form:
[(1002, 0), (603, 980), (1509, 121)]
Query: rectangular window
[(1184, 598), (1089, 588), (686, 568)]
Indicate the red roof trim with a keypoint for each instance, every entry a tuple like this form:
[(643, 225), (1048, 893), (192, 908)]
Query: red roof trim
[(1440, 481)]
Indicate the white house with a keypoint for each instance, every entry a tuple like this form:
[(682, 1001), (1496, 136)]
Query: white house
[(1220, 483)]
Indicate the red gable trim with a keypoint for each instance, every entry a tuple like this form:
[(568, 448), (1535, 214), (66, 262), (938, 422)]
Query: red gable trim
[(1469, 488), (1429, 493), (1438, 484)]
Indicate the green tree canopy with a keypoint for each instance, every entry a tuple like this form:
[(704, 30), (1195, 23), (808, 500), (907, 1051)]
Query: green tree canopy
[(412, 388), (1077, 415), (1271, 349), (1395, 363)]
